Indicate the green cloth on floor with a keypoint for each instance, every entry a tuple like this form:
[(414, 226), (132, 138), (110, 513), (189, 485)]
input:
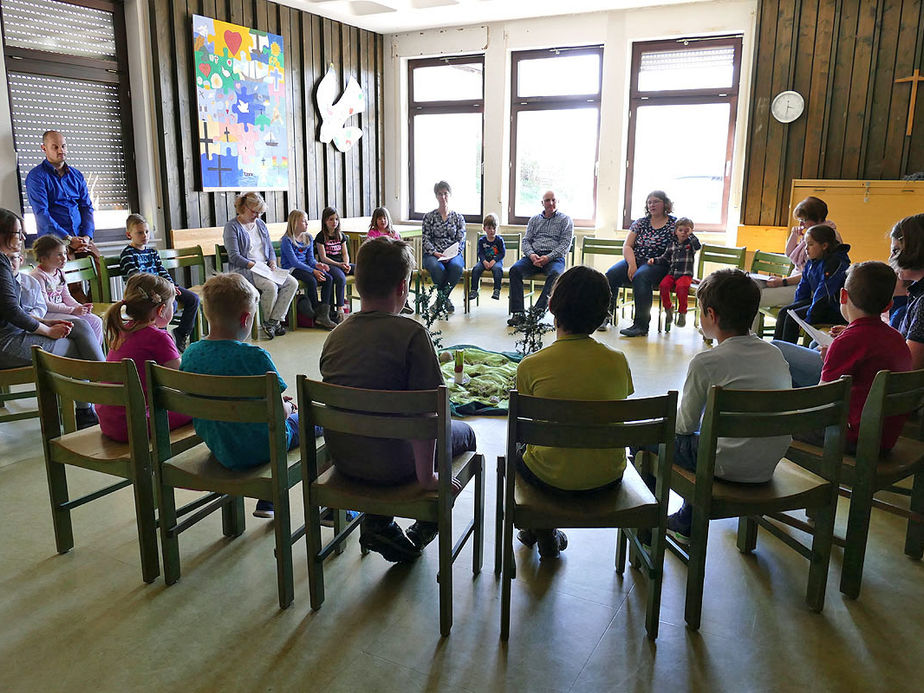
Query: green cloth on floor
[(492, 374)]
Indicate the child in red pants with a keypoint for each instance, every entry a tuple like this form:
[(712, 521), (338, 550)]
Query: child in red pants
[(679, 258)]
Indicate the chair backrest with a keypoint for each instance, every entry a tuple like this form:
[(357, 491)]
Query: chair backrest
[(82, 270), (720, 255), (16, 376), (180, 258), (512, 243), (891, 394), (399, 415), (768, 413), (771, 263), (109, 268), (600, 246)]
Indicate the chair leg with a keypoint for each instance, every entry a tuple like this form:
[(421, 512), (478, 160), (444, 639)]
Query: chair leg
[(621, 543), (232, 517), (445, 574), (282, 527), (478, 548), (509, 565), (696, 569), (914, 537), (143, 488), (747, 534), (61, 518), (656, 577), (861, 500), (499, 517), (822, 540), (315, 564), (170, 543)]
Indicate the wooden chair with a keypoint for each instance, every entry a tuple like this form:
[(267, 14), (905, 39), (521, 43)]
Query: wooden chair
[(405, 415), (758, 414), (17, 376), (512, 244), (59, 381), (868, 472), (84, 270), (717, 257), (630, 506), (773, 264), (608, 246), (242, 399)]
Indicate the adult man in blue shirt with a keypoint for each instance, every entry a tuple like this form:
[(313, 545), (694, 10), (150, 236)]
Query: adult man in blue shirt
[(59, 197), (547, 239)]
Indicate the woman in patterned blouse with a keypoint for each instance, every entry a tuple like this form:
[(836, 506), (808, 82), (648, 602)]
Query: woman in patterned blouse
[(648, 237), (441, 228)]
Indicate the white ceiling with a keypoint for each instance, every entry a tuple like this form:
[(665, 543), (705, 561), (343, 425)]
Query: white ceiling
[(393, 16)]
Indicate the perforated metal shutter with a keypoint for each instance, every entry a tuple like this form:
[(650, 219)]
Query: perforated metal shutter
[(58, 27)]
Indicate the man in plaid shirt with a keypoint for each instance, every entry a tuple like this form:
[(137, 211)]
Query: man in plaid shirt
[(679, 257)]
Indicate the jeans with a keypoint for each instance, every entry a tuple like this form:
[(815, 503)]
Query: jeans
[(787, 329), (497, 270), (681, 285), (445, 275), (804, 364), (644, 280), (339, 283), (275, 299), (190, 303), (311, 287), (524, 267)]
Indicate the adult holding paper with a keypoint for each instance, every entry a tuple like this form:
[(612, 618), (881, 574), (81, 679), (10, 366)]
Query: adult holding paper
[(248, 244), (443, 229)]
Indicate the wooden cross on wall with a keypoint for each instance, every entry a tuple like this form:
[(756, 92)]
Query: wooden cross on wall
[(914, 79)]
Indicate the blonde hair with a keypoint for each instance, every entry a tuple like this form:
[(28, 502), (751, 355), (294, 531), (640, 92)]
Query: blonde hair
[(134, 220), (250, 200), (294, 217), (143, 297), (226, 296)]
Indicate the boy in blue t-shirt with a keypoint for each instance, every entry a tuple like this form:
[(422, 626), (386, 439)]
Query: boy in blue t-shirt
[(491, 251), (230, 303)]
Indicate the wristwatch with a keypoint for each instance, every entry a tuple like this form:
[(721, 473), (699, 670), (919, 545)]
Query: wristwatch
[(784, 281)]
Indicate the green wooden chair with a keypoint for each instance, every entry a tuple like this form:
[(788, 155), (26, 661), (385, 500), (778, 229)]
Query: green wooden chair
[(630, 507), (608, 246), (869, 472), (406, 415), (773, 264), (711, 258), (244, 399), (84, 270), (181, 261), (537, 281), (758, 414), (512, 243), (10, 377), (59, 382)]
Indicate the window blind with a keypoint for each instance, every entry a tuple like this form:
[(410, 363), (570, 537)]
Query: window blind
[(57, 27)]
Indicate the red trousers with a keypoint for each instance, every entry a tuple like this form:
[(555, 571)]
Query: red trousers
[(681, 285)]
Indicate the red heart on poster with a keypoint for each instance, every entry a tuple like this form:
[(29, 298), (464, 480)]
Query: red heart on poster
[(205, 69), (233, 41), (351, 111)]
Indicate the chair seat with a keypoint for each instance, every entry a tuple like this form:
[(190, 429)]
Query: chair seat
[(791, 487), (99, 309), (630, 504), (900, 462), (336, 490), (90, 449)]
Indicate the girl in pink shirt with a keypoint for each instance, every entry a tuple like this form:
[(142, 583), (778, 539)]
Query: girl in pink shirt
[(381, 225), (148, 303)]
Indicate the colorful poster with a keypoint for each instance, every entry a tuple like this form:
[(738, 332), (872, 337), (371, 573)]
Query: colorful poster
[(241, 93)]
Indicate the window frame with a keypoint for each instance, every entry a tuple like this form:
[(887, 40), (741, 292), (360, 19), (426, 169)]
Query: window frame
[(43, 63), (684, 97), (453, 107), (519, 104)]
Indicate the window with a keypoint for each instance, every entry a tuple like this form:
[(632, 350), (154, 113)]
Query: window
[(65, 65), (683, 99), (445, 125), (555, 123)]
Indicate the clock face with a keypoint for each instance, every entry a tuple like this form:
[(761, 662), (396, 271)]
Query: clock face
[(787, 106)]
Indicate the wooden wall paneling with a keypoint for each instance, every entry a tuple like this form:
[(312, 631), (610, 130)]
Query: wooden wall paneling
[(911, 50), (351, 189), (817, 88), (314, 157), (882, 89), (379, 154), (840, 89), (803, 66), (870, 33), (185, 92), (330, 53), (366, 119), (294, 63), (164, 116)]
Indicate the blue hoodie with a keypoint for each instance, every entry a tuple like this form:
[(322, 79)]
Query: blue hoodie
[(822, 281)]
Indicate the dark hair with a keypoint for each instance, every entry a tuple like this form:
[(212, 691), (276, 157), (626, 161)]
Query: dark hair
[(381, 264), (325, 215), (812, 208), (734, 297), (380, 212), (44, 245), (870, 286), (442, 185), (824, 235), (580, 300), (8, 221), (684, 221), (661, 195), (910, 231), (490, 219)]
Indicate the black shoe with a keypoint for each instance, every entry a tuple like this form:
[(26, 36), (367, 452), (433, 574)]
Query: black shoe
[(449, 307), (681, 320), (389, 541), (86, 418), (279, 329), (496, 295), (268, 330), (422, 533), (516, 319), (473, 295), (181, 340), (634, 331), (551, 542), (526, 537), (679, 524), (264, 509), (407, 310), (669, 317)]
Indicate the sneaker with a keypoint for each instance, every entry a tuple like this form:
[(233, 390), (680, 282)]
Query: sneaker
[(634, 331), (338, 315), (678, 524), (322, 319), (407, 310), (526, 537), (327, 517), (668, 316), (422, 533), (681, 320), (516, 319), (496, 295), (473, 295), (389, 541), (278, 328), (449, 307), (268, 330), (86, 418), (264, 509), (180, 340), (551, 542), (605, 325)]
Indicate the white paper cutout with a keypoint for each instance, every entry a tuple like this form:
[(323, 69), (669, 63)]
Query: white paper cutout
[(334, 115)]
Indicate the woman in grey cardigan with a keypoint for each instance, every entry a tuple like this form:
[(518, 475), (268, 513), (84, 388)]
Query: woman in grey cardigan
[(19, 331), (248, 243)]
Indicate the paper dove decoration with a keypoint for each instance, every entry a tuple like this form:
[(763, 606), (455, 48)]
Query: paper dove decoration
[(334, 115)]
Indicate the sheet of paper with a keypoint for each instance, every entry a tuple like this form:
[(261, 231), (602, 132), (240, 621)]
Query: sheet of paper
[(277, 276), (761, 279), (450, 252), (822, 338)]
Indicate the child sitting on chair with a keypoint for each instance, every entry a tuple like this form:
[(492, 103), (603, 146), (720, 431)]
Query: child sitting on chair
[(230, 304), (491, 251), (741, 360), (678, 257)]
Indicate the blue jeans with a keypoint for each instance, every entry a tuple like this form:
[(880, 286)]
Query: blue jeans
[(804, 364), (311, 287), (190, 303), (643, 282), (524, 267), (445, 275), (497, 270), (338, 277)]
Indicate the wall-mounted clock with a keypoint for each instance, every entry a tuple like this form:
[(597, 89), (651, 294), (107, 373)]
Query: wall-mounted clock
[(787, 106)]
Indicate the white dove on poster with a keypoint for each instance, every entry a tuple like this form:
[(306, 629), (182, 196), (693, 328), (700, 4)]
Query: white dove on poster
[(334, 115)]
